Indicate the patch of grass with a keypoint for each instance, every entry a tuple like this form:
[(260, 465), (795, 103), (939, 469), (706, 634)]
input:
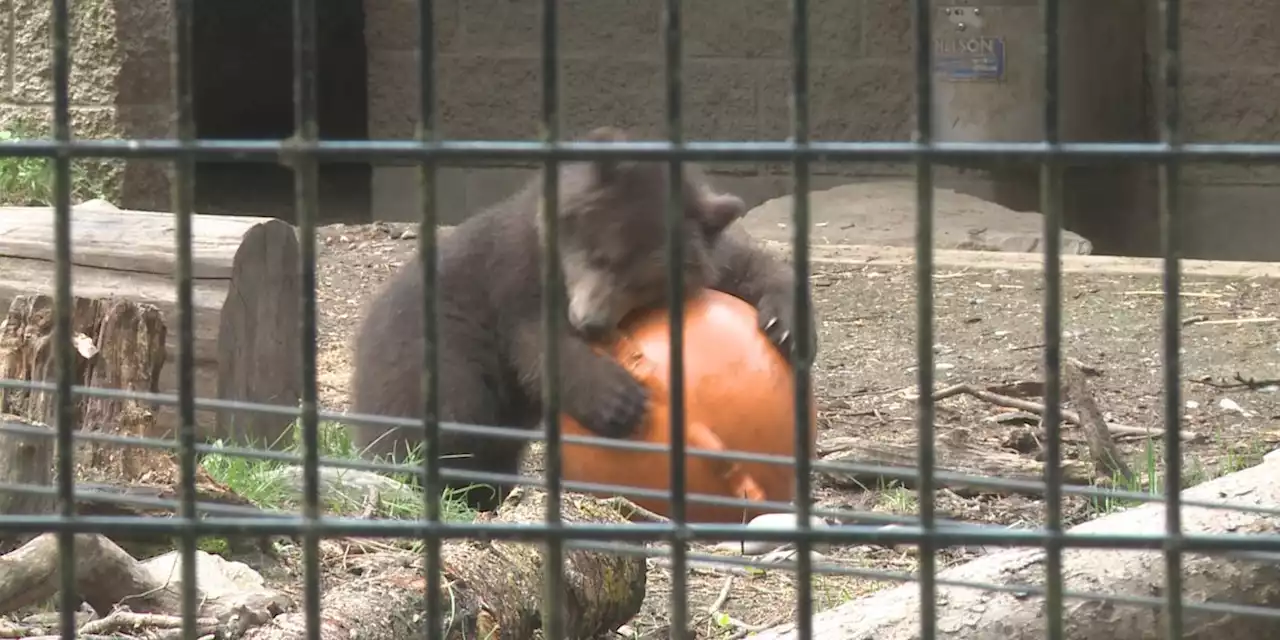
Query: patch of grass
[(891, 496), (30, 181), (264, 483), (1150, 479)]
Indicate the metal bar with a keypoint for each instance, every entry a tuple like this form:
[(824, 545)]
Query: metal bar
[(679, 598), (434, 489), (892, 473), (1020, 590), (183, 206), (1171, 235), (62, 331), (864, 517), (1051, 207), (552, 304), (846, 534), (462, 151), (924, 319), (802, 328), (427, 150), (306, 191)]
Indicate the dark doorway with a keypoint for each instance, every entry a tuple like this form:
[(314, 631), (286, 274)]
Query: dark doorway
[(243, 72)]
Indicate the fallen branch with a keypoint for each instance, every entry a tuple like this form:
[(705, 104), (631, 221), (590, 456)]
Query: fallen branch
[(130, 622), (107, 576), (1106, 459), (1037, 408), (741, 629), (968, 613), (954, 454), (1240, 382), (1264, 320)]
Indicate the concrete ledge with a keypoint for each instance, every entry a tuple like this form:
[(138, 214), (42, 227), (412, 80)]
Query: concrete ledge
[(882, 255)]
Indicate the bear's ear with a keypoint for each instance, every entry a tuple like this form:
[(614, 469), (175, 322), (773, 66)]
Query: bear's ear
[(716, 211), (606, 170)]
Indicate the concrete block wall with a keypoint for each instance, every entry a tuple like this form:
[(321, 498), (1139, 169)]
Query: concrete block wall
[(119, 82), (737, 82), (737, 87), (1231, 80)]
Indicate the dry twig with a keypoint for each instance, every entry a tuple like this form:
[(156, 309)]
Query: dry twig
[(1239, 382), (1039, 409), (742, 629), (633, 511)]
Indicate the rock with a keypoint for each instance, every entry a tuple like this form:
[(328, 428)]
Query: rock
[(97, 204), (884, 213)]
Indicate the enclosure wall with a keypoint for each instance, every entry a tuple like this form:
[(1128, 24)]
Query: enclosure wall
[(736, 81), (119, 84), (736, 86)]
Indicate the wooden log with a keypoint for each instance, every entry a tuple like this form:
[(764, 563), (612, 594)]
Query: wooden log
[(955, 453), (494, 588), (245, 282), (966, 613), (107, 576)]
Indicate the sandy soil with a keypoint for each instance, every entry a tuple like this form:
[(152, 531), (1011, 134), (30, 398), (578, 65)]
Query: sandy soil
[(988, 332)]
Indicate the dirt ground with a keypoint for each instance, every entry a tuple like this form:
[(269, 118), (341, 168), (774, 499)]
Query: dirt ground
[(988, 332)]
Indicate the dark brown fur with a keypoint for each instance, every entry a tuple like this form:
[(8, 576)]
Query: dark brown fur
[(489, 297)]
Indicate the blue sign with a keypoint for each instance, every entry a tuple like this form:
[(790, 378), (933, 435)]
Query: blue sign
[(975, 59)]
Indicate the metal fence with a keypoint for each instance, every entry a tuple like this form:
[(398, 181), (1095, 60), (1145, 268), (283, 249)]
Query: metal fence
[(928, 532)]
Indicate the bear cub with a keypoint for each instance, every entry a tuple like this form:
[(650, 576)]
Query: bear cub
[(489, 301)]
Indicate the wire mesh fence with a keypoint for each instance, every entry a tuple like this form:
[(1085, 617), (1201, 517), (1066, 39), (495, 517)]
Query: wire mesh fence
[(928, 532)]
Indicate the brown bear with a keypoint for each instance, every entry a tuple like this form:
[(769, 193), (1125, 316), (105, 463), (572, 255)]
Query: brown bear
[(489, 300)]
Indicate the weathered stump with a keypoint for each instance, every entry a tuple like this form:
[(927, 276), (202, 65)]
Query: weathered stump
[(26, 459), (118, 345)]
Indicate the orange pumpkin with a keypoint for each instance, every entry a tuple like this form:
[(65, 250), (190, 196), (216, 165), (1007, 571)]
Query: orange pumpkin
[(739, 396)]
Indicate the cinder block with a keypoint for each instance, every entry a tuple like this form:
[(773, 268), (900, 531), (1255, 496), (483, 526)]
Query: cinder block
[(1230, 105), (858, 101), (887, 29), (1225, 33), (721, 100), (393, 94), (734, 29), (393, 24), (490, 98), (611, 28), (500, 27), (94, 59), (605, 91), (478, 97), (836, 29)]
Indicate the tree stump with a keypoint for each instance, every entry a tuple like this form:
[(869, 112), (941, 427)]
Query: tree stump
[(26, 459), (118, 345), (246, 288)]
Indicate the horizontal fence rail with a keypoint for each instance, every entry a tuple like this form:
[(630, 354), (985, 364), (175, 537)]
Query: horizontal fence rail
[(929, 531)]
